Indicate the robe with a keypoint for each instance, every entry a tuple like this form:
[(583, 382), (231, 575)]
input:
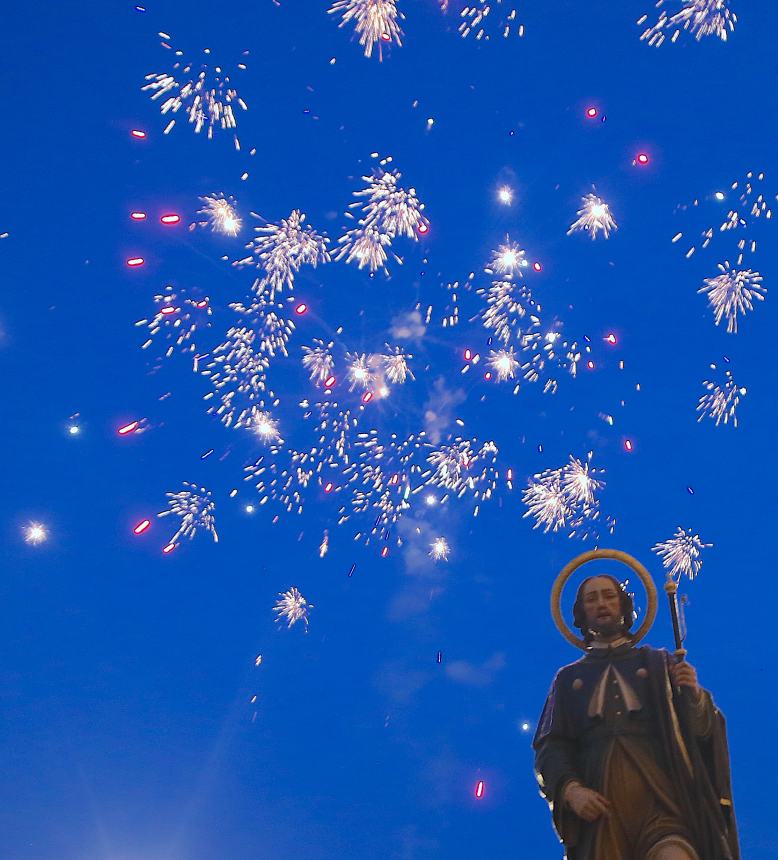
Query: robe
[(613, 722)]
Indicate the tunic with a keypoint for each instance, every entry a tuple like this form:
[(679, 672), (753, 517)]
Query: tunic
[(611, 722)]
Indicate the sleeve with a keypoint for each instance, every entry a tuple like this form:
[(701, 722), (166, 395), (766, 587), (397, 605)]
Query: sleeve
[(555, 762), (702, 715)]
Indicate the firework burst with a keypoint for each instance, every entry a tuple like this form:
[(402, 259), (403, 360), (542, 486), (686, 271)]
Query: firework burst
[(279, 250), (700, 18), (503, 363), (395, 365), (681, 554), (566, 498), (318, 361), (720, 400), (35, 533), (194, 507), (594, 217), (732, 293), (439, 549), (238, 372), (203, 92), (272, 326), (219, 214), (292, 607), (376, 22)]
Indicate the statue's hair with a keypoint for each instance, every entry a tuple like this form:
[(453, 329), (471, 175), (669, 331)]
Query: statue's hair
[(625, 601)]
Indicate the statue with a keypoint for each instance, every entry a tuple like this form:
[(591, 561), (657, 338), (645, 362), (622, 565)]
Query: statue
[(630, 751)]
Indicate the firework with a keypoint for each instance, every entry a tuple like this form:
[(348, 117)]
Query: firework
[(439, 549), (478, 16), (292, 607), (594, 216), (272, 327), (265, 427), (219, 213), (395, 365), (748, 205), (720, 400), (204, 93), (507, 259), (566, 498), (386, 210), (194, 508), (35, 533), (681, 554), (503, 363), (238, 373), (732, 293), (700, 18), (176, 321), (360, 372), (281, 249), (376, 22), (318, 361), (509, 309)]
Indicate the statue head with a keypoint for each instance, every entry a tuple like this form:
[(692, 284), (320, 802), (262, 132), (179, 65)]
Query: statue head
[(602, 608)]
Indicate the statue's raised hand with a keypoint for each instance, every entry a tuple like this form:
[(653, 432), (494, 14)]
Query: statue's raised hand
[(585, 802)]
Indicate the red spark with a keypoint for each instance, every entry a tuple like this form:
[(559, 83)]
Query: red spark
[(170, 219), (468, 355), (367, 397), (611, 338), (628, 445), (386, 37), (591, 112), (423, 228), (479, 789), (142, 526), (329, 382), (203, 303), (590, 364), (385, 552), (488, 375), (135, 261), (136, 132), (169, 548), (301, 309), (642, 158), (168, 309), (138, 216), (128, 428), (537, 266), (328, 487)]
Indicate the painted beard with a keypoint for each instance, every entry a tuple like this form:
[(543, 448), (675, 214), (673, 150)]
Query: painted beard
[(607, 626)]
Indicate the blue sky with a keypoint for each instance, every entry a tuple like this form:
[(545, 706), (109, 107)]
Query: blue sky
[(128, 680)]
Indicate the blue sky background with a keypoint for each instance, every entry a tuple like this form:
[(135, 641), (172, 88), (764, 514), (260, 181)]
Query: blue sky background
[(129, 731)]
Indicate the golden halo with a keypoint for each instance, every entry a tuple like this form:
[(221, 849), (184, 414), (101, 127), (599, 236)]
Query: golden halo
[(593, 555)]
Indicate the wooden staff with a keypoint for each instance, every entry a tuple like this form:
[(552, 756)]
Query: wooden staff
[(671, 589)]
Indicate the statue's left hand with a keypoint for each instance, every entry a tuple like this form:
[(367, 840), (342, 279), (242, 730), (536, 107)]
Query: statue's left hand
[(685, 675)]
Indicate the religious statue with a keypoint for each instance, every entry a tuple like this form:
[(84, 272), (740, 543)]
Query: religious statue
[(630, 751)]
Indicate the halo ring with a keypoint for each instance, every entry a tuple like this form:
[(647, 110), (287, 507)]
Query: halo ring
[(595, 555)]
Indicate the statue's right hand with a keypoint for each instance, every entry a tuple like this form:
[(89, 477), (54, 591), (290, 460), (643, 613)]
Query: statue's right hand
[(585, 802)]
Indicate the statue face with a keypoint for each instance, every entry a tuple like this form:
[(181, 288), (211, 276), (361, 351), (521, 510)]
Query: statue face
[(602, 606)]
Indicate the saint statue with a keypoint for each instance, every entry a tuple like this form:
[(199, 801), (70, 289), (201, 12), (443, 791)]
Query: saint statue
[(630, 751)]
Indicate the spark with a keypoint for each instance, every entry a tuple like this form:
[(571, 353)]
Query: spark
[(720, 401), (681, 554), (265, 426), (700, 18), (505, 195), (194, 507), (292, 607), (477, 17), (376, 22), (219, 213), (439, 549), (281, 249), (732, 293), (507, 306), (205, 94), (503, 363), (35, 533), (367, 245), (594, 216), (272, 326)]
